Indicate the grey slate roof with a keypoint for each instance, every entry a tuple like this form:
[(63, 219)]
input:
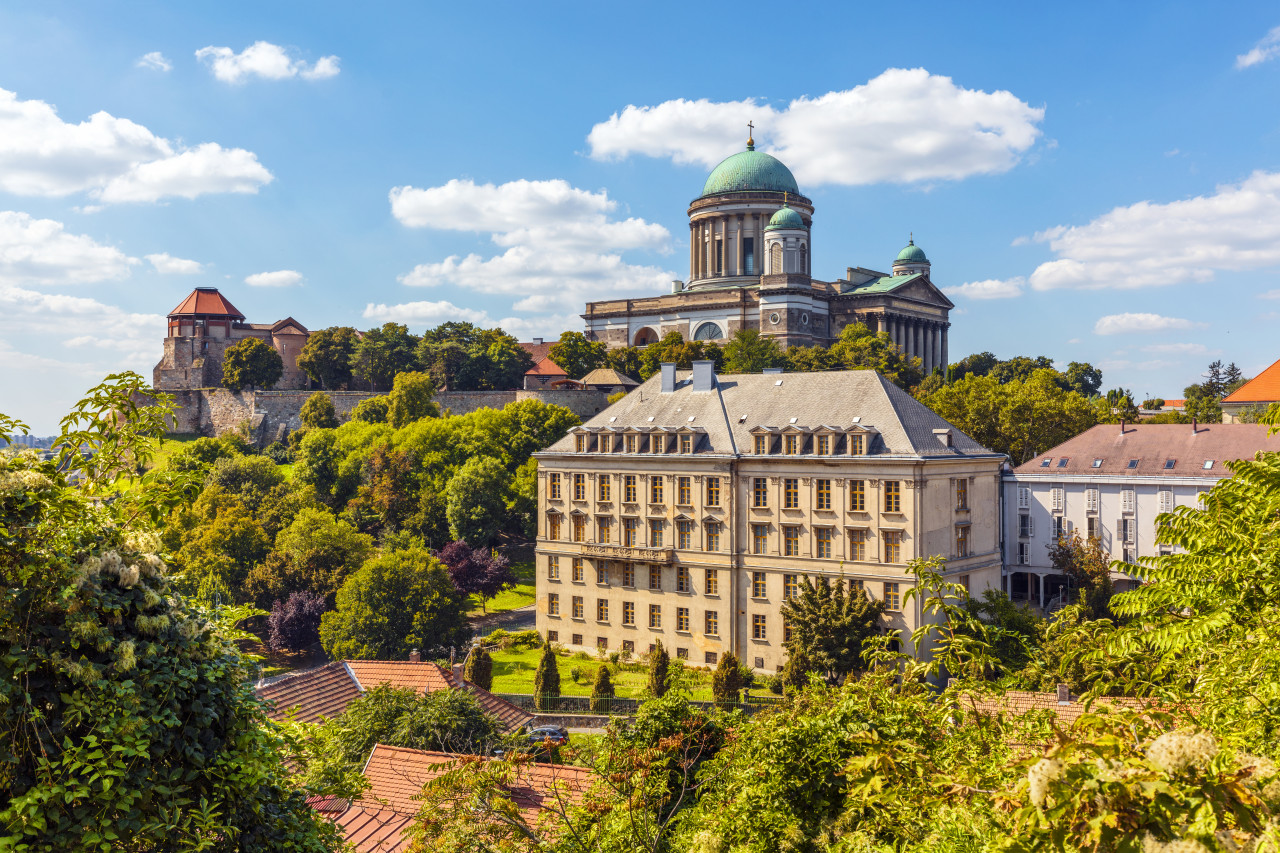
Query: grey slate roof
[(740, 402)]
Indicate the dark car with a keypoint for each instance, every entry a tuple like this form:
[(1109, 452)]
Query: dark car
[(554, 735)]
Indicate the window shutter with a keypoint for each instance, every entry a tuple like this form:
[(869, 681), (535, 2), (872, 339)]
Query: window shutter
[(1024, 497), (1166, 500), (1091, 500), (1126, 500), (1059, 499), (1031, 525)]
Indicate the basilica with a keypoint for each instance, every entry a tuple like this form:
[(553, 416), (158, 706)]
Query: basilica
[(750, 254)]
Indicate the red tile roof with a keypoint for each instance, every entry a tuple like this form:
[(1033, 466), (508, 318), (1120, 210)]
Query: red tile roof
[(545, 367), (1153, 446), (322, 692), (1263, 388), (539, 351), (374, 830), (207, 301)]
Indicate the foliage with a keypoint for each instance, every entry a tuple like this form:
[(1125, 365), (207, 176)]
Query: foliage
[(675, 349), (251, 363), (464, 357), (249, 478), (1019, 629), (601, 691), (578, 356), (1089, 569), (382, 353), (294, 622), (199, 456), (829, 625), (278, 453), (749, 352), (727, 681), (326, 356), (318, 412), (1083, 378), (479, 572), (858, 348), (475, 500), (479, 668), (410, 399), (659, 667), (393, 603), (374, 410), (1019, 368), (546, 681)]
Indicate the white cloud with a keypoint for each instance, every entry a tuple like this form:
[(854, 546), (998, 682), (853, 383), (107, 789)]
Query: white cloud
[(40, 251), (167, 264), (155, 61), (429, 313), (992, 288), (1148, 244), (1270, 294), (1179, 349), (1266, 49), (276, 278), (1125, 364), (112, 159), (266, 60), (904, 126), (1123, 324)]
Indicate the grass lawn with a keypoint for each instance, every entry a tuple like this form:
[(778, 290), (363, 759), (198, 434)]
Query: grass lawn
[(520, 595), (170, 445), (513, 671)]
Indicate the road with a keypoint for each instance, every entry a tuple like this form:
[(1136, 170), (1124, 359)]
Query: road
[(520, 619)]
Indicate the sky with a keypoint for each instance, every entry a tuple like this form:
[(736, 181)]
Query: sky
[(1092, 182)]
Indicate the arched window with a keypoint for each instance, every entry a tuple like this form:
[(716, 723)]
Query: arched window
[(707, 332), (775, 258), (804, 258)]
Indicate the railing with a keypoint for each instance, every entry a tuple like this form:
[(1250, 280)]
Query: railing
[(618, 706)]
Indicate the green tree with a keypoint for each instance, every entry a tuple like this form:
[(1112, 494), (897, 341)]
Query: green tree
[(231, 545), (659, 671), (749, 352), (978, 364), (475, 500), (326, 356), (625, 360), (502, 364), (479, 668), (249, 478), (546, 680), (1089, 568), (1201, 405), (372, 411), (830, 623), (199, 455), (251, 364), (393, 603), (316, 553), (1084, 378), (318, 412), (859, 349), (578, 356), (382, 353), (1019, 368), (795, 672), (601, 691), (810, 359), (727, 681), (410, 399)]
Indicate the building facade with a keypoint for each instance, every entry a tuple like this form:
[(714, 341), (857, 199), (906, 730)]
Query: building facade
[(1253, 397), (1111, 483), (690, 510), (750, 267)]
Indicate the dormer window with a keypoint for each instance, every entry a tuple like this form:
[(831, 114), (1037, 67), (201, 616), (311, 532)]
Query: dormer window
[(857, 446), (791, 443), (629, 443), (762, 445), (656, 441), (580, 443), (824, 445), (686, 444), (604, 443)]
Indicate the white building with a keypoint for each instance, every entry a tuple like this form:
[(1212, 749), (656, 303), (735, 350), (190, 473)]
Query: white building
[(1110, 483)]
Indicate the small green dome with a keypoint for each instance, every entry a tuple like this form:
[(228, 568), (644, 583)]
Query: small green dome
[(912, 254), (750, 170), (785, 218)]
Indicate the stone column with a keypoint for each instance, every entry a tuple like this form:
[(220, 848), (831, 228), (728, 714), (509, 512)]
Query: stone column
[(946, 362), (693, 257), (929, 333), (742, 247)]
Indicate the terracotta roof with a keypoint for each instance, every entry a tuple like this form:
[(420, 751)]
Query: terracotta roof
[(545, 367), (283, 325), (1263, 388), (605, 376), (539, 351), (1175, 403), (207, 301), (1154, 446), (322, 692), (1019, 702), (374, 830)]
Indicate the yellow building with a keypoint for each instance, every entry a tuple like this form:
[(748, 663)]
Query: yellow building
[(688, 511)]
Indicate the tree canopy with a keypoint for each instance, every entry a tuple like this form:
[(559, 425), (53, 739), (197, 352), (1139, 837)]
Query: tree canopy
[(327, 354), (251, 364)]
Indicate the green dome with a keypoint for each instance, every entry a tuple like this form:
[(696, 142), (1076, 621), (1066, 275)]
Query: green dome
[(750, 170), (785, 218), (913, 254)]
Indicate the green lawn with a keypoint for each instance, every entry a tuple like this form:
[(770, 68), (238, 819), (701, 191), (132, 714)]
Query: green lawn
[(520, 595), (170, 445), (513, 671)]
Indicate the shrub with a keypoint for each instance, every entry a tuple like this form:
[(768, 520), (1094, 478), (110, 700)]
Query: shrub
[(294, 623), (659, 671), (727, 681), (576, 674), (546, 681), (372, 410), (479, 669), (318, 412), (601, 691), (278, 453)]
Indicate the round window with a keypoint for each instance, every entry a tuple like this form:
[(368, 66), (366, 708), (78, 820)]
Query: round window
[(804, 319), (774, 318)]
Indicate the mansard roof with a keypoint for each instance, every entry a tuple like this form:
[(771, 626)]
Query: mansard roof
[(207, 302), (1160, 450)]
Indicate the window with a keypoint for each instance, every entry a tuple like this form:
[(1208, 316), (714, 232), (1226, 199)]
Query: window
[(579, 487), (629, 646), (856, 445), (1059, 528), (630, 532), (604, 489), (823, 494), (655, 578), (892, 496), (1097, 463), (684, 535), (655, 534), (683, 583), (577, 607), (791, 541), (713, 536), (790, 586), (857, 545), (758, 627), (1091, 527), (579, 528), (1062, 463), (553, 486), (759, 538), (686, 443), (682, 619), (553, 604), (553, 568), (577, 570), (824, 445), (857, 496), (682, 654), (602, 642), (1208, 464), (791, 444), (963, 580), (892, 600), (962, 493), (1046, 462), (710, 658), (604, 530), (822, 543), (602, 610), (712, 582), (553, 526), (1091, 500), (749, 255), (1026, 527), (553, 636), (893, 546), (604, 444), (1126, 500), (1133, 463), (962, 540), (628, 574), (1024, 497), (580, 443), (1166, 500), (757, 585), (759, 492), (629, 443), (684, 491), (577, 639), (629, 489), (1128, 555), (657, 443), (655, 616), (1024, 553), (711, 623), (1169, 463), (762, 445), (791, 493), (786, 631), (1125, 527), (713, 491), (655, 490), (602, 573), (1058, 498)]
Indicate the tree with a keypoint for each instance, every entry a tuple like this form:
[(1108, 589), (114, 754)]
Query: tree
[(795, 672), (546, 681), (382, 353), (809, 359), (479, 669), (601, 691), (251, 364), (977, 364), (318, 412), (1019, 368), (1202, 406), (1232, 378), (1088, 567), (480, 572), (625, 360), (294, 623), (249, 478), (726, 681), (860, 349), (372, 411), (474, 500), (748, 352), (659, 667), (410, 399), (496, 361), (1084, 378), (326, 356), (393, 603), (578, 356), (829, 625)]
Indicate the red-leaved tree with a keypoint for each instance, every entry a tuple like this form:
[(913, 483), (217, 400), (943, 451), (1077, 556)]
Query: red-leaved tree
[(478, 571)]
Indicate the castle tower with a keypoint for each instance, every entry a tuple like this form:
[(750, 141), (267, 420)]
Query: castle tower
[(200, 329)]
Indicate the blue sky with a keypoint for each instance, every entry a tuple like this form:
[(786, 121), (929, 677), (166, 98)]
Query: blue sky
[(1092, 182)]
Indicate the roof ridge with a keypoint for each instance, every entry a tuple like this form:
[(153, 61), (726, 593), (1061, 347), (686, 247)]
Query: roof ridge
[(346, 665)]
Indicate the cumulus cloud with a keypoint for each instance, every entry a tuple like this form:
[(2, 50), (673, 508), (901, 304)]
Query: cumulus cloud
[(1123, 324), (266, 60), (167, 264), (40, 251), (992, 288), (111, 159), (429, 313), (1266, 49), (276, 278), (1149, 244), (904, 126), (155, 61)]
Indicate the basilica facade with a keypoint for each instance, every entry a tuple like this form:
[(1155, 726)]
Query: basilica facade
[(750, 257)]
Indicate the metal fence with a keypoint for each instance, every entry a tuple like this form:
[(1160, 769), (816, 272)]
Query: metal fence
[(616, 706)]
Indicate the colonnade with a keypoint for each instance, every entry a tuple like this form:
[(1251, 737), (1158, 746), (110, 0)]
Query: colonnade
[(706, 230), (926, 339)]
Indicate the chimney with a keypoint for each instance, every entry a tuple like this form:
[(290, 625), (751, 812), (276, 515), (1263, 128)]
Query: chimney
[(1064, 694), (677, 286), (704, 375), (415, 656), (457, 672), (1122, 426), (848, 273), (1194, 426), (943, 436), (537, 342), (668, 377), (772, 370)]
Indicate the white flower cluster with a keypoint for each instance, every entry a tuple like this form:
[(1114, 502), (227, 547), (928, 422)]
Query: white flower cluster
[(16, 483), (129, 573), (1178, 751), (1182, 845), (1043, 772)]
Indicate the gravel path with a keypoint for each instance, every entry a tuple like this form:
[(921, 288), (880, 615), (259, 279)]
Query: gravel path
[(520, 619)]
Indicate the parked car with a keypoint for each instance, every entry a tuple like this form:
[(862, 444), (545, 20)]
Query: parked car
[(553, 735)]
